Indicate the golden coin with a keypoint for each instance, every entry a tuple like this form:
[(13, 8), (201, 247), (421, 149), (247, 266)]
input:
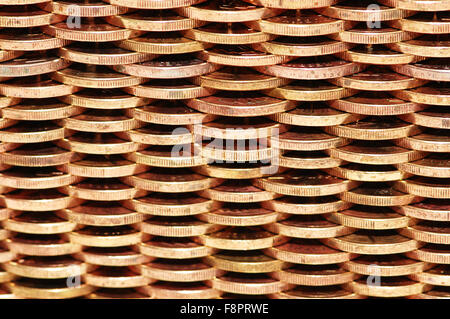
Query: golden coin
[(38, 223), (306, 205), (30, 40), (427, 231), (42, 244), (309, 68), (179, 226), (431, 253), (39, 200), (170, 180), (117, 293), (173, 290), (308, 292), (249, 284), (375, 153), (32, 132), (48, 267), (169, 89), (101, 78), (249, 262), (230, 151), (241, 238), (167, 204), (165, 156), (245, 214), (376, 103), (424, 5), (236, 11), (300, 138), (437, 292), (240, 104), (89, 31), (304, 183), (112, 256), (424, 22), (367, 173), (378, 79), (389, 265), (378, 54), (307, 160), (431, 140), (105, 236), (236, 170), (316, 90), (158, 135), (41, 109), (292, 4), (434, 116), (368, 217), (373, 243), (314, 275), (154, 4), (314, 114), (238, 79), (101, 189), (429, 209), (171, 113), (241, 55), (389, 287), (48, 289), (174, 248), (226, 33), (38, 155), (185, 270), (438, 275), (85, 8), (16, 17), (296, 23), (302, 46), (95, 143), (108, 55), (363, 34), (434, 165), (115, 277), (425, 187), (427, 45), (31, 64), (35, 87), (237, 191), (104, 99), (163, 43), (102, 121), (434, 93), (159, 21), (377, 194), (168, 67), (308, 226), (101, 214), (430, 69), (307, 251)]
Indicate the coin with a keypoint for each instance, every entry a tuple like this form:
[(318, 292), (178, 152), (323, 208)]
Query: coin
[(170, 89), (39, 200), (243, 104), (223, 33), (367, 242), (304, 183), (237, 191), (174, 248), (317, 90), (105, 236), (48, 289), (85, 8), (115, 277), (184, 270), (424, 22), (377, 103), (431, 253), (245, 214), (427, 45), (32, 132), (154, 4), (14, 17), (379, 54), (35, 87), (30, 40), (314, 275), (240, 151), (251, 284), (308, 226), (427, 231), (369, 217), (438, 275), (155, 21), (325, 292), (307, 160), (117, 293), (250, 262), (38, 223), (389, 265), (165, 156), (434, 116), (309, 68), (427, 5), (181, 290), (112, 256), (389, 287), (42, 244), (168, 67), (363, 34), (429, 209), (300, 138), (238, 79), (41, 109), (101, 214), (367, 173), (430, 69), (292, 4), (434, 165), (179, 226), (434, 93), (236, 170), (378, 194), (431, 140), (306, 205)]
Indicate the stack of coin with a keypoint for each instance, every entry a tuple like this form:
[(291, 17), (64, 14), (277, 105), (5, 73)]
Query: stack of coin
[(224, 148)]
